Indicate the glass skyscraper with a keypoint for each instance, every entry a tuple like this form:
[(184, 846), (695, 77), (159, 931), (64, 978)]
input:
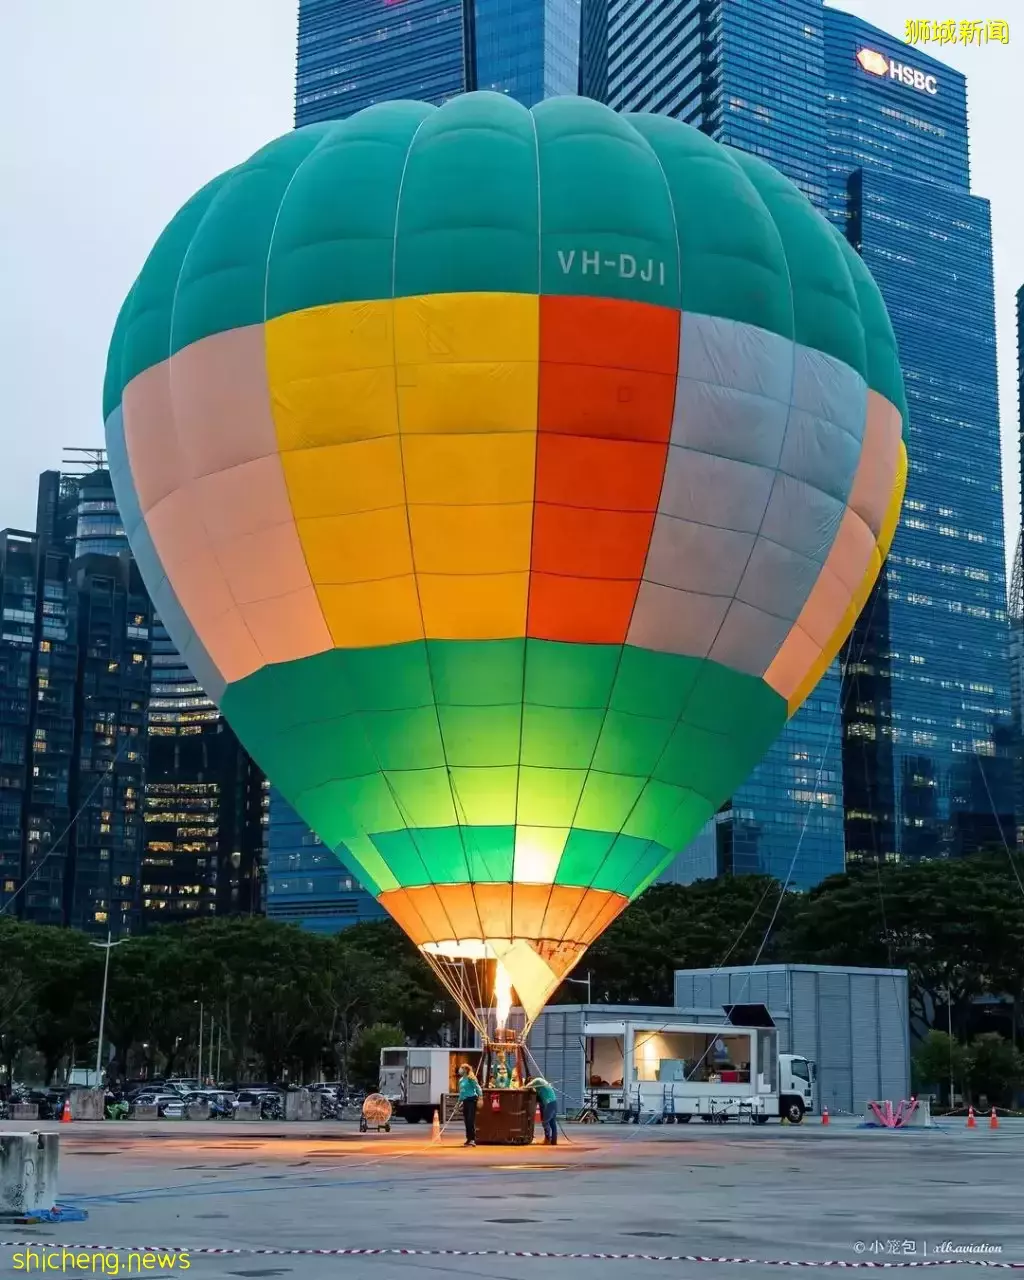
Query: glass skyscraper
[(306, 884), (353, 53), (927, 757)]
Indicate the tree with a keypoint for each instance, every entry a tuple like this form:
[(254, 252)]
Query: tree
[(702, 925), (364, 1056), (955, 926), (937, 1059), (995, 1069)]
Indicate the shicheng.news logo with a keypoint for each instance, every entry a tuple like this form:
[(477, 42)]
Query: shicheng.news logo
[(102, 1262)]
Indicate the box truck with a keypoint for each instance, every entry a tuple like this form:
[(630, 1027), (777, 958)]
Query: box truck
[(670, 1071)]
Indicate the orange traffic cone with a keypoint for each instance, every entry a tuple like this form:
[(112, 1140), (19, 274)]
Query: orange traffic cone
[(65, 1115), (824, 1115), (993, 1120), (537, 1117), (971, 1122), (435, 1128)]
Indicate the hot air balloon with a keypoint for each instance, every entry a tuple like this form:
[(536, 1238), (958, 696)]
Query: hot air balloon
[(508, 477)]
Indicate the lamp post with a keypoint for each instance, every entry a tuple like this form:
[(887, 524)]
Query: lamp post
[(199, 1063), (107, 946), (583, 982)]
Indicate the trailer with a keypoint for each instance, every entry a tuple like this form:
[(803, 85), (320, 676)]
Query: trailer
[(669, 1071), (417, 1082)]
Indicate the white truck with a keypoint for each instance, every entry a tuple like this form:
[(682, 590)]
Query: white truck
[(418, 1082), (669, 1072)]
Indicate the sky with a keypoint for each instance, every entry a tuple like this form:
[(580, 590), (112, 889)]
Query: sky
[(116, 111)]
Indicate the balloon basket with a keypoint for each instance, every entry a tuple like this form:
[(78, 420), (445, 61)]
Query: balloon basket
[(506, 1117)]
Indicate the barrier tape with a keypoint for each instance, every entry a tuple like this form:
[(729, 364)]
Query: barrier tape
[(371, 1252)]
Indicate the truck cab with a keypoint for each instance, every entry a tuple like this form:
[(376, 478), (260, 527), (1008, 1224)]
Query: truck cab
[(796, 1087)]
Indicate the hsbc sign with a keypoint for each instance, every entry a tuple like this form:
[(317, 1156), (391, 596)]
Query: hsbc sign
[(880, 64)]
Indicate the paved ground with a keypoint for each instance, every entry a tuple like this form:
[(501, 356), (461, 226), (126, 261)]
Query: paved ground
[(807, 1193)]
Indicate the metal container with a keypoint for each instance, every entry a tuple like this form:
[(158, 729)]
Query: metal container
[(853, 1023), (505, 1117)]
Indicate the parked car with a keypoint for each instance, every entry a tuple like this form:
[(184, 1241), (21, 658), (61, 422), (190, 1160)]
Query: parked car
[(182, 1085), (49, 1101), (170, 1106)]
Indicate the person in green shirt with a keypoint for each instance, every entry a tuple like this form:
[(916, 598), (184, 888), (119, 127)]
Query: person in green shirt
[(501, 1075), (470, 1094), (548, 1100)]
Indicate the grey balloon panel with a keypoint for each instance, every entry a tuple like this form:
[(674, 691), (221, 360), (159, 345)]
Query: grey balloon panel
[(802, 518), (202, 667), (720, 492), (150, 566), (671, 621), (730, 423), (777, 580), (697, 557), (828, 389), (820, 453), (181, 631), (120, 473), (749, 639), (740, 356)]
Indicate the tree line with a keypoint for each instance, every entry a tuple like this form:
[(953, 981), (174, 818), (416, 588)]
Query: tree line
[(286, 1004)]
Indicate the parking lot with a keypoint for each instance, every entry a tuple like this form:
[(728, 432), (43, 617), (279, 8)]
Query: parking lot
[(768, 1194)]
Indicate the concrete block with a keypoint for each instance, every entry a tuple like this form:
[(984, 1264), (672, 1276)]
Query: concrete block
[(197, 1111), (24, 1110), (247, 1111), (144, 1113), (300, 1104), (28, 1172), (87, 1104)]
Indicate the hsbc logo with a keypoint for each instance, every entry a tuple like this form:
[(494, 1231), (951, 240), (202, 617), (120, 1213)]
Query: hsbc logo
[(879, 64)]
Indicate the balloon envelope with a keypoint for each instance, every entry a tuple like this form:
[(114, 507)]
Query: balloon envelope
[(508, 477)]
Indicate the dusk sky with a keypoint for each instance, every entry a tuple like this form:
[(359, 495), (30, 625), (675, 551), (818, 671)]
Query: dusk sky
[(118, 110)]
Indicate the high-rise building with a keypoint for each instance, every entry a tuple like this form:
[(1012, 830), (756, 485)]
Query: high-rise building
[(1015, 600), (204, 801), (306, 884), (927, 760), (126, 798), (74, 678), (1016, 615), (353, 53)]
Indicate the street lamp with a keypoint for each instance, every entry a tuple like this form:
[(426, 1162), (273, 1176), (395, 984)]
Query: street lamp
[(583, 982), (199, 1066), (107, 946)]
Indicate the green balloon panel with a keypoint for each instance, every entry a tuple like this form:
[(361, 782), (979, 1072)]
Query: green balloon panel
[(438, 752)]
